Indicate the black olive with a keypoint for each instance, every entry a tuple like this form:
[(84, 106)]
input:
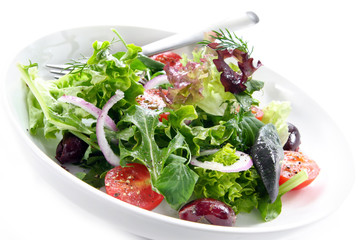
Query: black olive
[(71, 149), (294, 139)]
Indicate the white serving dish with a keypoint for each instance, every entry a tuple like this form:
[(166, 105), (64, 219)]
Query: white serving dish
[(301, 208)]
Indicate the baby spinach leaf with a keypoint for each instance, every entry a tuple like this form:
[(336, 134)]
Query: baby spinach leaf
[(176, 183), (268, 210)]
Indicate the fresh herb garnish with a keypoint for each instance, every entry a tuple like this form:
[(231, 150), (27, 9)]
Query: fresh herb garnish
[(228, 40), (76, 66), (235, 78)]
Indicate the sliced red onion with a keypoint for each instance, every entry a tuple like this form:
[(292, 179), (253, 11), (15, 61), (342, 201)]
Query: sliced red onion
[(90, 108), (110, 156), (243, 164), (158, 80)]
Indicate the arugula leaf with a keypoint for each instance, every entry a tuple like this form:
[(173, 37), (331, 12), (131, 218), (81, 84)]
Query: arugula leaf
[(96, 174), (177, 120), (95, 168), (146, 151)]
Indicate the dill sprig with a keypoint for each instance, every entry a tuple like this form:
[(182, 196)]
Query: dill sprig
[(228, 41), (76, 66)]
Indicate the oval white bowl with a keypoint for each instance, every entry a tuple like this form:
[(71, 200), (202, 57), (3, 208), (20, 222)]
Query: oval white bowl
[(321, 140)]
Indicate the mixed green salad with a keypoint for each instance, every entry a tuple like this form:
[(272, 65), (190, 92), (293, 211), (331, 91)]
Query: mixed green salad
[(182, 128)]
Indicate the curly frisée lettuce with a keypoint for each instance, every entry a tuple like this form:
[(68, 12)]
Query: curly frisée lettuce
[(236, 189)]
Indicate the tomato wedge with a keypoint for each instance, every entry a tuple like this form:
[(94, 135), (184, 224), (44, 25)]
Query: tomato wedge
[(293, 163), (131, 184), (170, 58)]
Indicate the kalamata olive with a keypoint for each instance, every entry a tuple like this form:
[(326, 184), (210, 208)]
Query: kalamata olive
[(294, 139), (210, 211), (71, 149)]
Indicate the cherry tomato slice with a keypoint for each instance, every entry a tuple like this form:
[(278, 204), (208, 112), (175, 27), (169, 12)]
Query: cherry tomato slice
[(152, 99), (131, 184), (257, 112), (293, 163), (170, 58), (164, 116)]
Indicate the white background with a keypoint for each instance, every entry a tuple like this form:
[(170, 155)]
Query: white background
[(311, 43)]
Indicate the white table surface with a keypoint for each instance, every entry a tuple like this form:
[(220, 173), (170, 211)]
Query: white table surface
[(312, 43)]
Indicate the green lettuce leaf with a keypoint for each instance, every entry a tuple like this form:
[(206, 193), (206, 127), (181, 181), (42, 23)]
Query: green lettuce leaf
[(44, 110), (95, 82), (277, 113), (198, 136)]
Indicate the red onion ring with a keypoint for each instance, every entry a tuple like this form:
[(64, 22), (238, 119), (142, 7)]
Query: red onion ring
[(243, 164), (88, 107), (158, 80), (108, 153)]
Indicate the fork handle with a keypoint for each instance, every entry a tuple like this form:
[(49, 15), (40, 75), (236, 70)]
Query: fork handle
[(184, 39)]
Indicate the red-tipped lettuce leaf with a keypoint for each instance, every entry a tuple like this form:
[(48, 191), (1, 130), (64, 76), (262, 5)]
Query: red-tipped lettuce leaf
[(186, 82), (234, 82)]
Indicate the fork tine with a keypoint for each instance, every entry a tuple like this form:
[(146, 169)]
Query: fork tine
[(58, 70), (58, 66), (57, 76)]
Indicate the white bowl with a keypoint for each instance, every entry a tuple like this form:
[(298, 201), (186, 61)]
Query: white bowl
[(321, 140)]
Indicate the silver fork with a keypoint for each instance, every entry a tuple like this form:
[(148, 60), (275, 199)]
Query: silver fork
[(177, 40), (59, 70)]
